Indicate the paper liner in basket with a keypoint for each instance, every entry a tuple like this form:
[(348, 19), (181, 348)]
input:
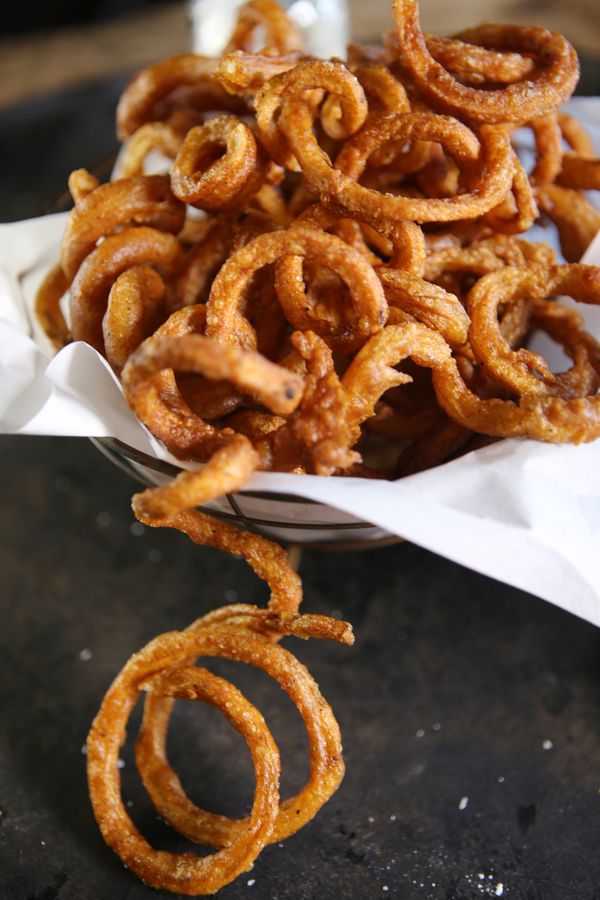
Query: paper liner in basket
[(520, 511)]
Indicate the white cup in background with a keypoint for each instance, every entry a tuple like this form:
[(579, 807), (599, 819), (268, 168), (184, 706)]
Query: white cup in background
[(324, 24)]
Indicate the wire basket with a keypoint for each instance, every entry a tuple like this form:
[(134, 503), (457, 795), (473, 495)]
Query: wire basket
[(286, 517)]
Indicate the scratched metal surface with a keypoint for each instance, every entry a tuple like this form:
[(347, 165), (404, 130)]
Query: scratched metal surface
[(453, 689)]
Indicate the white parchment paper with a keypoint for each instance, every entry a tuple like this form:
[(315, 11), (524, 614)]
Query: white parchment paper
[(523, 512)]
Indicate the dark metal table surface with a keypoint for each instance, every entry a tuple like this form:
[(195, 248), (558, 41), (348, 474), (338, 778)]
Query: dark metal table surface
[(470, 711)]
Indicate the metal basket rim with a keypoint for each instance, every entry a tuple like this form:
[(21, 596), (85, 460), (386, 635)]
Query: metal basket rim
[(113, 447)]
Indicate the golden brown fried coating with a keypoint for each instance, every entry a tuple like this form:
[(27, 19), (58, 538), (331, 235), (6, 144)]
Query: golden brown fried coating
[(349, 283), (543, 90)]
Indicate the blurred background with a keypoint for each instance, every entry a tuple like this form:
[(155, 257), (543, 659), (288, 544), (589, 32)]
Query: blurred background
[(51, 45), (63, 64)]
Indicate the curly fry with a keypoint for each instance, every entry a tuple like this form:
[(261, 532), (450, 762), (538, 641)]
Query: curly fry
[(226, 321), (203, 178), (145, 200), (577, 221), (136, 305), (489, 165), (47, 307), (547, 87), (260, 16), (320, 75), (186, 80), (96, 275)]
